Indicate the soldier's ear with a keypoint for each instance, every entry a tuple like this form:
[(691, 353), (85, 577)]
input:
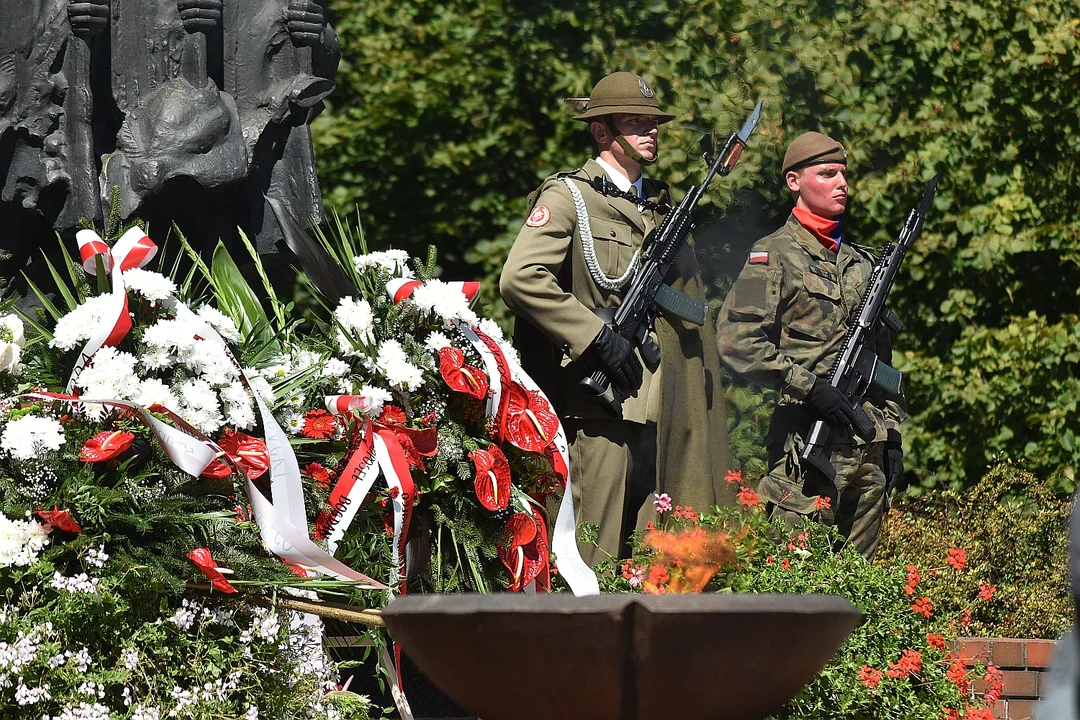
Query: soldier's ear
[(599, 132), (792, 179)]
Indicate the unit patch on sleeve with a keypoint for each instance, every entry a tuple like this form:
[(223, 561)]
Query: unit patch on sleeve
[(759, 258), (539, 217)]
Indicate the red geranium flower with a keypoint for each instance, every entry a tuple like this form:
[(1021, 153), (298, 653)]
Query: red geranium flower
[(922, 607), (822, 502), (936, 641), (105, 446), (459, 376), (524, 549), (957, 559), (733, 476), (986, 591), (748, 497), (59, 519), (492, 477), (318, 424), (531, 424), (205, 562), (869, 676)]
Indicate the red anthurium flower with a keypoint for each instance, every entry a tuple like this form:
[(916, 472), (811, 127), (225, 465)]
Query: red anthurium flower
[(530, 422), (216, 470), (524, 549), (492, 477), (459, 376), (59, 519), (205, 562), (248, 452), (318, 424), (105, 446)]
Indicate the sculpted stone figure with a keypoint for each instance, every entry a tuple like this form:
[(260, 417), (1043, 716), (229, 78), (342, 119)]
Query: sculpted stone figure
[(194, 109)]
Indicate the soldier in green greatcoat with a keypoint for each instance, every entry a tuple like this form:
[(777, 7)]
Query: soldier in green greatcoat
[(577, 252), (782, 325)]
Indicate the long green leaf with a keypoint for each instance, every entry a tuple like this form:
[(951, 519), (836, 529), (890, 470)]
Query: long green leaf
[(237, 300)]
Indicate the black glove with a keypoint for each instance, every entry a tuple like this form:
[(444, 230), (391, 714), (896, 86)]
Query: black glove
[(830, 405), (614, 354), (894, 459)]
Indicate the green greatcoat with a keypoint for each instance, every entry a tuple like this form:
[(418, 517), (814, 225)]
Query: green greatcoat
[(546, 283), (781, 326)]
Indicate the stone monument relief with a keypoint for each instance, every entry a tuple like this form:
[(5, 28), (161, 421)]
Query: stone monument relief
[(194, 109)]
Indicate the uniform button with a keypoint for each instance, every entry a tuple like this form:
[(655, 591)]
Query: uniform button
[(613, 234)]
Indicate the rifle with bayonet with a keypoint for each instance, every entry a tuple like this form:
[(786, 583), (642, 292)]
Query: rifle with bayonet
[(858, 367), (647, 294)]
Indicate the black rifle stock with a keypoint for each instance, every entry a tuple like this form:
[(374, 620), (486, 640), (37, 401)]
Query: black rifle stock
[(858, 367), (647, 293)]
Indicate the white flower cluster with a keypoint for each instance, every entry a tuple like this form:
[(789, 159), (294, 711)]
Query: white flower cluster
[(395, 262), (77, 326), (153, 286), (355, 324), (185, 615), (445, 301), (80, 660), (83, 711), (393, 362), (11, 342), (31, 696), (31, 435), (491, 328), (21, 541), (82, 583), (97, 557), (143, 712)]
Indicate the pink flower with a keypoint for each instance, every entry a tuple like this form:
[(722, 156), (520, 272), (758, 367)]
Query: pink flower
[(662, 502)]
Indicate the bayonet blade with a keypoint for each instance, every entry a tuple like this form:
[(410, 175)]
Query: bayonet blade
[(750, 124), (928, 195)]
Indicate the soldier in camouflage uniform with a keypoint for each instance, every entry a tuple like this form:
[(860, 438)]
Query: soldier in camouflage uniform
[(577, 252), (782, 325)]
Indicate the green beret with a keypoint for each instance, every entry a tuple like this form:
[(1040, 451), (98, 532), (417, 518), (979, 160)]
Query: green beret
[(623, 92), (812, 148)]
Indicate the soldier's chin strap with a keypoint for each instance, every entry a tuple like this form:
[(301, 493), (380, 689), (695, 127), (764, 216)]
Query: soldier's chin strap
[(625, 144)]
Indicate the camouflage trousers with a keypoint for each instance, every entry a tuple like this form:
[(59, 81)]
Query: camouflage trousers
[(858, 496)]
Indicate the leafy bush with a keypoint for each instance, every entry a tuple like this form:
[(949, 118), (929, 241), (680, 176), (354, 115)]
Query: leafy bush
[(1008, 532), (896, 663)]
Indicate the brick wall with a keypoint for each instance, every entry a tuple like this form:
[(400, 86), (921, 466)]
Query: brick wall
[(1024, 666)]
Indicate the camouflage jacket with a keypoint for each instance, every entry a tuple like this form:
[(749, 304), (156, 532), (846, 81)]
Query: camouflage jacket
[(785, 318)]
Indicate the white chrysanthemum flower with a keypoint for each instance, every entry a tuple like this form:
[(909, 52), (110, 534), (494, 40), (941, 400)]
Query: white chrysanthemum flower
[(109, 376), (393, 363), (376, 398), (77, 326), (21, 541), (396, 262), (211, 359), (199, 405), (491, 328), (436, 341), (220, 322), (154, 392), (31, 435), (261, 387), (335, 367), (12, 340), (356, 319), (445, 301), (156, 358), (307, 358), (239, 408), (151, 285)]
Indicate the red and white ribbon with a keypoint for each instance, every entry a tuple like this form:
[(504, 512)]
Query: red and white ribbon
[(133, 249), (189, 453), (401, 289), (281, 519), (578, 575)]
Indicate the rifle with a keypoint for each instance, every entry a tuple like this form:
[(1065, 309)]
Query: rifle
[(858, 367), (647, 293)]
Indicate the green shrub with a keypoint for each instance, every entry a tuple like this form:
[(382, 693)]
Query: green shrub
[(1014, 533)]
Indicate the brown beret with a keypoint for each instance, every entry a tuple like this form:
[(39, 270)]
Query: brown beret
[(812, 148)]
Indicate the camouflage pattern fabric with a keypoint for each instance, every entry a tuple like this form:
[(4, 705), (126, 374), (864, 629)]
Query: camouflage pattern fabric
[(782, 326)]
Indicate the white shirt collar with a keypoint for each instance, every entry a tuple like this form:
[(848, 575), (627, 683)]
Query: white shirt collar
[(621, 181)]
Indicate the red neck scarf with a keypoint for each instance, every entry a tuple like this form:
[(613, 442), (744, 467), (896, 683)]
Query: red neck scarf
[(826, 231)]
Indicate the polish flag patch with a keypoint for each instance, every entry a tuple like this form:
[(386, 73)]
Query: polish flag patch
[(759, 258), (539, 217)]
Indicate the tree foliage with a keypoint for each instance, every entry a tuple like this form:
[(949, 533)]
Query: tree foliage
[(447, 115)]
